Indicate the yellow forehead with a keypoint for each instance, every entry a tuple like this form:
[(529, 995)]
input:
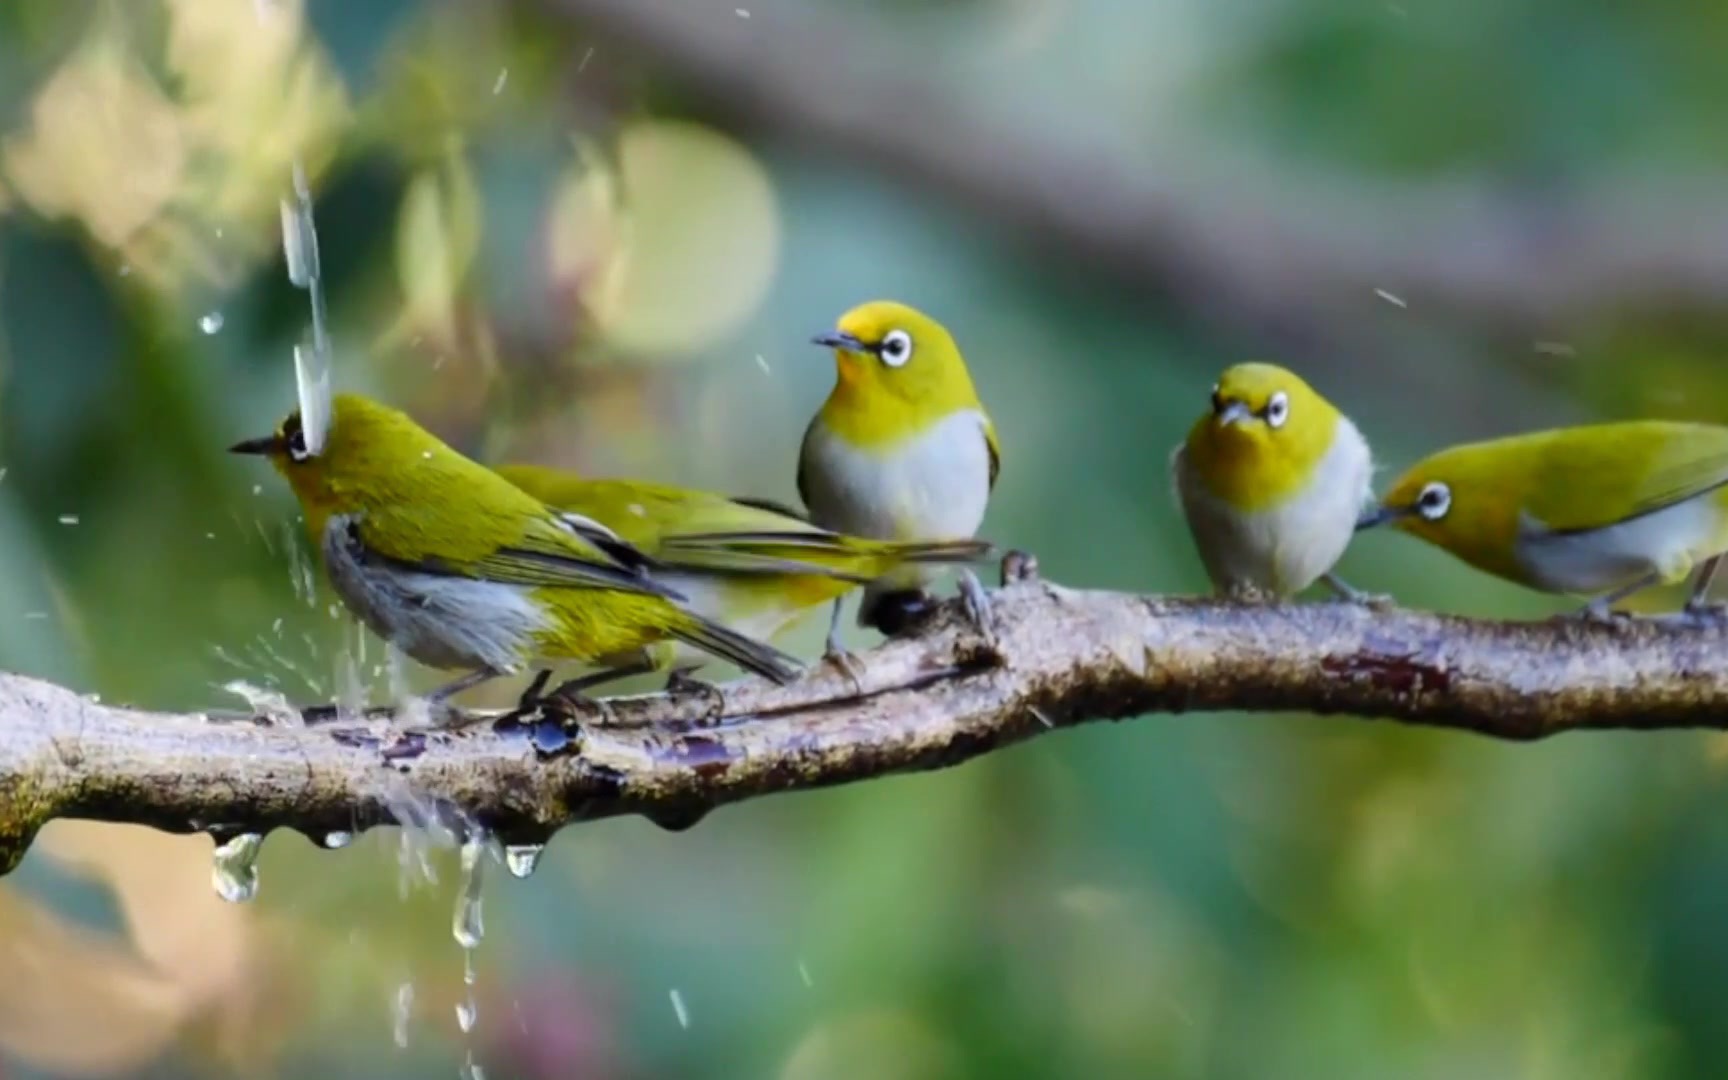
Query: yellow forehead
[(1252, 384), (871, 322)]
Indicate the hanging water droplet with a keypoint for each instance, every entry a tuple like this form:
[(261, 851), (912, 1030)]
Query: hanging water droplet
[(679, 1010), (210, 323), (521, 859), (401, 1012), (338, 839), (467, 925), (235, 873)]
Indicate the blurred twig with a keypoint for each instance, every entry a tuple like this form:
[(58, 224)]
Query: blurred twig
[(938, 698), (1233, 239)]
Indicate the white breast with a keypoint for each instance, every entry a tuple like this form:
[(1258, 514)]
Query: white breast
[(1666, 543), (934, 486), (1285, 548), (441, 620)]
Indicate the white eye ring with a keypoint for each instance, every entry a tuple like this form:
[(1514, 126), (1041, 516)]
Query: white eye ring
[(1435, 501), (896, 348), (297, 446), (1277, 409)]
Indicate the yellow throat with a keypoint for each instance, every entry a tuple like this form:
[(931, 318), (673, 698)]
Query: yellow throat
[(898, 372), (1263, 439)]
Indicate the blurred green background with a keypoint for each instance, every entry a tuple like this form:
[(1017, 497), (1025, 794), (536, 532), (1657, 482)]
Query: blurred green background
[(552, 235)]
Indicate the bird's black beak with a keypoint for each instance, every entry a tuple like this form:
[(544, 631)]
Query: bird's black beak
[(836, 340), (270, 444), (1380, 515)]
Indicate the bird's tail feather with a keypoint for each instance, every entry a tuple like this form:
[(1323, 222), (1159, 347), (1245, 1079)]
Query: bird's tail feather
[(740, 649)]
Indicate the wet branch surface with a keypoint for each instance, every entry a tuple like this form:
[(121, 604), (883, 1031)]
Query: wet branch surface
[(944, 695)]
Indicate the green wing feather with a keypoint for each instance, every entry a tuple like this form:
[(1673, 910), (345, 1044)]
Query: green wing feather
[(548, 551), (1629, 470)]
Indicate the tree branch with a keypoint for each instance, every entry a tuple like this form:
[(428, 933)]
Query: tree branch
[(942, 696), (1229, 237)]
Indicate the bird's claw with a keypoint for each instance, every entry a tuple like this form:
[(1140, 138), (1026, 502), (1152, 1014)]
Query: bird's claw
[(680, 682), (977, 604), (846, 663)]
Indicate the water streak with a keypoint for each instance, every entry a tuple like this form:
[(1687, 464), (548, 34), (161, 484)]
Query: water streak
[(234, 872)]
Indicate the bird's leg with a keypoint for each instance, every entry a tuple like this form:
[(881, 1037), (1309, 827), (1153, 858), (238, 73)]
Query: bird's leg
[(452, 719), (1698, 606), (575, 691), (977, 604), (1349, 594), (1601, 609), (837, 654), (531, 696), (456, 686)]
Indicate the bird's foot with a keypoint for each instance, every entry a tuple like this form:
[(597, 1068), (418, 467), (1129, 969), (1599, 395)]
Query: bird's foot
[(1600, 612), (846, 662), (680, 683), (1346, 593), (1703, 614), (977, 606)]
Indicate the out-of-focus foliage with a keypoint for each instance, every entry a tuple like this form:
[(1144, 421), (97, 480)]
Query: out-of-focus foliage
[(547, 251)]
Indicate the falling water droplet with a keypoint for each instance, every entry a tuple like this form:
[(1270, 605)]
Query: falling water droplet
[(523, 858), (235, 874), (466, 1014), (210, 323), (338, 839), (401, 1012), (68, 519), (468, 926), (471, 1069), (678, 1008)]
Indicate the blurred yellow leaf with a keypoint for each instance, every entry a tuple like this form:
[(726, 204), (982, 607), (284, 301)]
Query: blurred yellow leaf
[(674, 249), (258, 94), (104, 144), (89, 1003), (437, 234)]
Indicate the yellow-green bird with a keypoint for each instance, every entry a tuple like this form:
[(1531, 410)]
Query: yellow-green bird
[(901, 450), (460, 569), (1272, 480), (1602, 510), (748, 563)]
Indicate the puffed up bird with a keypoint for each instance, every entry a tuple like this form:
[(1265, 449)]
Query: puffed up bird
[(748, 563), (901, 450), (1602, 510), (1273, 480), (460, 569)]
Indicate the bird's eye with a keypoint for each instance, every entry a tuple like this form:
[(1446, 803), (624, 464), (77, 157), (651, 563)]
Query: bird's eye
[(896, 348), (1434, 501), (298, 444), (1277, 409)]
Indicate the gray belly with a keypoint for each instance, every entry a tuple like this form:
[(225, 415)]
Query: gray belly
[(440, 620)]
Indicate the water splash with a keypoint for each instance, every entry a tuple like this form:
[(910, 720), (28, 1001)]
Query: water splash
[(234, 873), (521, 859), (400, 1013), (468, 924), (269, 704)]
